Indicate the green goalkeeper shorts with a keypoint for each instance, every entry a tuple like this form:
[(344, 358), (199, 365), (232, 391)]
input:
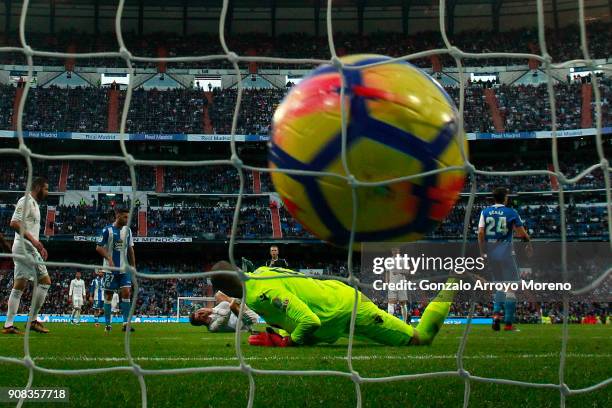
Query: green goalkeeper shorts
[(377, 325)]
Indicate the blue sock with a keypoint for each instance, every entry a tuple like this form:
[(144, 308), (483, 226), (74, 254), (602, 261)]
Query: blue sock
[(498, 301), (509, 309), (126, 304), (107, 313)]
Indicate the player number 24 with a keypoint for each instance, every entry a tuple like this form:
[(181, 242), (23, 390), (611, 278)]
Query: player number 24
[(501, 227)]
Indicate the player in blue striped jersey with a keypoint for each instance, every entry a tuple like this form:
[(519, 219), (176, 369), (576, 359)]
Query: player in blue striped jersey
[(116, 246), (96, 297), (496, 228)]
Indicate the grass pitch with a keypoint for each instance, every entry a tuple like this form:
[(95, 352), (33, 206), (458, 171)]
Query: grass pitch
[(530, 355)]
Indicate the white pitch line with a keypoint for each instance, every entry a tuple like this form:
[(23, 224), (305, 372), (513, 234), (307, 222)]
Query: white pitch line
[(302, 358)]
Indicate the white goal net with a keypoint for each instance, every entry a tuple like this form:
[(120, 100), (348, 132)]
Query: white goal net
[(350, 373)]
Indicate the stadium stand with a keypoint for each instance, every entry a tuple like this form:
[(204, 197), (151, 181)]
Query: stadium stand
[(300, 45), (523, 108), (168, 111)]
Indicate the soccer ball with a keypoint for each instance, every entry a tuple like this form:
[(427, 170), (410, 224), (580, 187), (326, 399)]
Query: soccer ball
[(400, 122)]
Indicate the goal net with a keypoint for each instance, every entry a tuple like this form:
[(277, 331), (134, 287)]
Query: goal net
[(187, 304), (131, 56)]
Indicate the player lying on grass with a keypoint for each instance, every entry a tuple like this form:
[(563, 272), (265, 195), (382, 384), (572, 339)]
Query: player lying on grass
[(224, 316), (319, 311)]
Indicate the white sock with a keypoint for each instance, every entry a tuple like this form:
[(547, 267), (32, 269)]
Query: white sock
[(404, 313), (13, 306), (391, 308), (38, 298), (78, 315)]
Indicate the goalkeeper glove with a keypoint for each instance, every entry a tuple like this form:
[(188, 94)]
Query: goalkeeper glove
[(247, 266), (269, 338)]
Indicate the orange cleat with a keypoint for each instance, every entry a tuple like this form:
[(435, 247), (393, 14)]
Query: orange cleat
[(11, 330), (38, 327)]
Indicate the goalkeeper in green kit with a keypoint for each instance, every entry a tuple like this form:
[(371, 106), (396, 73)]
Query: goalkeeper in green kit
[(310, 311)]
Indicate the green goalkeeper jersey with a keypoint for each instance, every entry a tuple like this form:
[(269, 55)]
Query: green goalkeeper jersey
[(312, 310)]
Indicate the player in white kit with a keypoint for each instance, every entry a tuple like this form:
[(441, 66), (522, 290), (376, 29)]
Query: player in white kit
[(27, 215), (115, 304), (224, 316), (397, 296), (76, 295)]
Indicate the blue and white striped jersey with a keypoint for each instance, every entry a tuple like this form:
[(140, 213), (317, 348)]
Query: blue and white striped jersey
[(116, 241), (96, 289)]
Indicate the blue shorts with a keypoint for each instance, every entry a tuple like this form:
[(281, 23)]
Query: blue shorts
[(116, 280), (98, 304)]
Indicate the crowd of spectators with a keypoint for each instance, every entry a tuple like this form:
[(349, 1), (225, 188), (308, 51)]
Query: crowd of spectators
[(81, 176), (85, 219), (212, 180), (80, 109), (570, 166), (84, 174), (527, 107), (290, 226), (605, 86), (476, 114), (224, 179), (202, 180), (167, 111), (7, 100), (212, 221), (256, 109), (522, 108), (13, 172), (300, 45), (6, 213)]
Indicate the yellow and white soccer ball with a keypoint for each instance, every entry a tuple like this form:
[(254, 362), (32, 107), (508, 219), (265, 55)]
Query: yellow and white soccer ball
[(400, 122)]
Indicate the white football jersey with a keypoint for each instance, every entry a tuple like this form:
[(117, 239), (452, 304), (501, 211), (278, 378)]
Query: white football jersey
[(30, 220), (222, 318), (77, 288), (396, 275)]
